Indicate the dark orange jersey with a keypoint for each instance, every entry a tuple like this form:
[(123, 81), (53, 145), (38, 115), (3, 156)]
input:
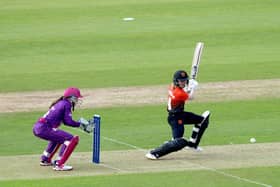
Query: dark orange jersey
[(176, 99)]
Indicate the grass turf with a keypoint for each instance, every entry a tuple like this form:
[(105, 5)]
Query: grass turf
[(46, 45), (146, 127), (264, 175)]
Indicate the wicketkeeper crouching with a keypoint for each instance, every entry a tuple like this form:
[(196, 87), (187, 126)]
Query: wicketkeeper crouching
[(46, 128), (179, 93)]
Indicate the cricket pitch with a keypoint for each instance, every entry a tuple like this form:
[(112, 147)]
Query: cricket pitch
[(134, 161)]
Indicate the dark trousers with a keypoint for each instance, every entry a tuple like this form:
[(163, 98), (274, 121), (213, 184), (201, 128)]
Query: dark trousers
[(178, 120)]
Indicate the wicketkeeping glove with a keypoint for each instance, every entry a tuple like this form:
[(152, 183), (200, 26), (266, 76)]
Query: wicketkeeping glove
[(86, 125)]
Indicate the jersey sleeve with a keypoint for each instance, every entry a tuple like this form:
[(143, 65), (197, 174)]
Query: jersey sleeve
[(67, 119)]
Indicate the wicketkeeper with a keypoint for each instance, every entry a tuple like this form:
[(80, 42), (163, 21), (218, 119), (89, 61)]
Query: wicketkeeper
[(47, 126), (179, 93)]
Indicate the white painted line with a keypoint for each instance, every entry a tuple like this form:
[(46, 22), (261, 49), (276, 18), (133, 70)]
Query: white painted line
[(234, 176), (110, 167), (207, 168), (123, 143)]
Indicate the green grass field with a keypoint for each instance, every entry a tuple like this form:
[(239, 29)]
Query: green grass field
[(147, 127), (165, 179), (47, 45), (52, 45)]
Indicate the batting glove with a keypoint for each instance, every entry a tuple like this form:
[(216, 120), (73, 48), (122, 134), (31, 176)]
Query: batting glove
[(192, 84), (191, 87)]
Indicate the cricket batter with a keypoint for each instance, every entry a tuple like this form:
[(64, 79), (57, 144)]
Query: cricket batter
[(46, 128), (179, 93)]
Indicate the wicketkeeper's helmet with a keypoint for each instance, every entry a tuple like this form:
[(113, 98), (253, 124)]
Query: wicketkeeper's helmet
[(180, 75), (72, 91)]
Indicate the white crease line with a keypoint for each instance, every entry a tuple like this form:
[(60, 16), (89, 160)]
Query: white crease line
[(111, 167), (207, 168), (102, 164), (123, 143), (234, 176)]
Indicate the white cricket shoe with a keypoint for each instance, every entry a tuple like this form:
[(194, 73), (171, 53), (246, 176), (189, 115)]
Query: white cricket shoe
[(62, 168), (151, 156), (198, 149)]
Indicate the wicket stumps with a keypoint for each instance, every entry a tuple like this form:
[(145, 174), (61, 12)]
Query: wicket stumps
[(96, 139)]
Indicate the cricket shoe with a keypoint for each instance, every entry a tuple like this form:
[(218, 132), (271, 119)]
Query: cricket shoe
[(62, 168), (46, 163), (196, 149), (151, 156), (191, 146)]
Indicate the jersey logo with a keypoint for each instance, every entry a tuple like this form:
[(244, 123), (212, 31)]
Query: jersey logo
[(180, 122)]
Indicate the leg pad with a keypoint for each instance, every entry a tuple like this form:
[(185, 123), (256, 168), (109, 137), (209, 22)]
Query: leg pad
[(69, 149)]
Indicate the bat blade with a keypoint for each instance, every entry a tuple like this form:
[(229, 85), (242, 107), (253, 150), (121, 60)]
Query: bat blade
[(196, 59)]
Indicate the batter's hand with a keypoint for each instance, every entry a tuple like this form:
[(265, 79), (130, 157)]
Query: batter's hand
[(192, 84), (191, 87)]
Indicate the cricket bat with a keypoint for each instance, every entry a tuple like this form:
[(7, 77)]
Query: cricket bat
[(194, 69), (196, 60)]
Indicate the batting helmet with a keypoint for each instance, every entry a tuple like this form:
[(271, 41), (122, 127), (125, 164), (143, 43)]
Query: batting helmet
[(72, 91), (180, 75)]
